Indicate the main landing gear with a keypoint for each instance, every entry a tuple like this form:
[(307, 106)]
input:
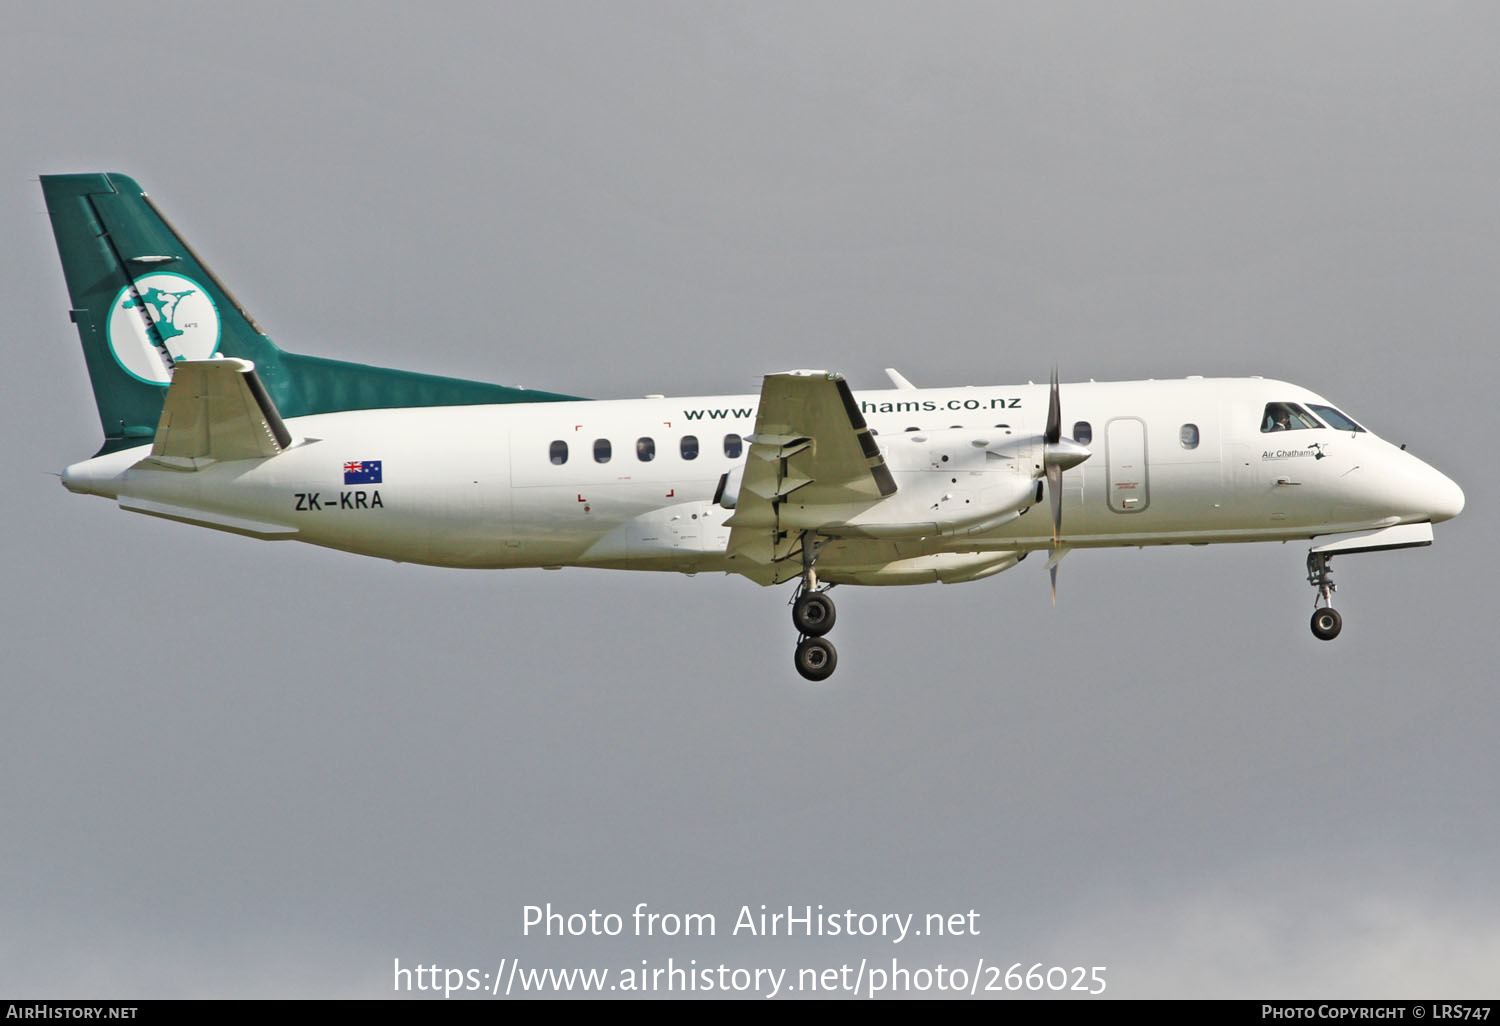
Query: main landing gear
[(1326, 622), (813, 614)]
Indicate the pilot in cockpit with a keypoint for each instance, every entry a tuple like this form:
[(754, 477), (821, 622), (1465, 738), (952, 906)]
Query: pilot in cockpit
[(1278, 418)]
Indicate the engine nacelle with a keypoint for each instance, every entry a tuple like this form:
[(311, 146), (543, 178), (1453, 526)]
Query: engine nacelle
[(957, 481), (954, 482)]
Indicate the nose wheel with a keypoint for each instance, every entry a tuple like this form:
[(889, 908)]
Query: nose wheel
[(1326, 622), (813, 614)]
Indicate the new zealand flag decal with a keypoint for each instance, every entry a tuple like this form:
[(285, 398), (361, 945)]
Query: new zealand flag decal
[(362, 472)]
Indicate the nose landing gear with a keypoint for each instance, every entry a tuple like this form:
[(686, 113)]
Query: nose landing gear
[(1326, 622), (813, 615)]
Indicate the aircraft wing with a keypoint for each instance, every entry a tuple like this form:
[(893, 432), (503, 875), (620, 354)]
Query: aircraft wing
[(811, 460)]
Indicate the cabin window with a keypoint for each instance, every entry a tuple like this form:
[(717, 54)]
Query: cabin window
[(1287, 417), (558, 452), (1188, 436), (1083, 432), (1335, 419), (689, 447), (733, 446), (602, 450), (645, 449)]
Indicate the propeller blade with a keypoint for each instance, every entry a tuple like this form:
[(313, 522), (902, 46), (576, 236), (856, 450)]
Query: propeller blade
[(1058, 454), (1054, 557), (1054, 492), (1054, 413)]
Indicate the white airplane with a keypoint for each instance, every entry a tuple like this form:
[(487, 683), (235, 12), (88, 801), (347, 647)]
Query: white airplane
[(207, 422)]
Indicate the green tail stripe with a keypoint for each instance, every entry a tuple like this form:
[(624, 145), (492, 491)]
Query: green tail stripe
[(110, 236)]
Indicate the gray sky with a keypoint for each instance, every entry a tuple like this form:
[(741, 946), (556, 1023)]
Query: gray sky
[(233, 768)]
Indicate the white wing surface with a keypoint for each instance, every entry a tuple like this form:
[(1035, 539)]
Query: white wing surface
[(811, 462)]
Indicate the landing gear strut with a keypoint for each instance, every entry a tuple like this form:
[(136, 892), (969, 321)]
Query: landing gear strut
[(813, 614), (1326, 622)]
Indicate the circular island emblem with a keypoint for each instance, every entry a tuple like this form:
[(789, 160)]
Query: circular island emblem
[(162, 319)]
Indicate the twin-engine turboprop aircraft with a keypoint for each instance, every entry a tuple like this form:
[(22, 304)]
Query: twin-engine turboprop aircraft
[(207, 422)]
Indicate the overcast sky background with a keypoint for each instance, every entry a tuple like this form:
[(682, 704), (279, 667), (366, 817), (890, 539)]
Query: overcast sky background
[(235, 768)]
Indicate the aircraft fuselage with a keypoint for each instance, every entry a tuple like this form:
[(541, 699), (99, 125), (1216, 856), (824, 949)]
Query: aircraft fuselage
[(567, 484)]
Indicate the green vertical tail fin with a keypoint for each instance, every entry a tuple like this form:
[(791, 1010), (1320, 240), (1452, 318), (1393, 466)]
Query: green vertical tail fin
[(143, 301)]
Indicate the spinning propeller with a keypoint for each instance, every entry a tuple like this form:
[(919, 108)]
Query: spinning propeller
[(1058, 454)]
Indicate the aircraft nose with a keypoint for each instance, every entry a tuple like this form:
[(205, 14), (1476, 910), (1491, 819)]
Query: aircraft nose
[(1445, 497)]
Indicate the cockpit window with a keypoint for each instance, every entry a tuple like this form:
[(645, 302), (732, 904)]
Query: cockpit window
[(1334, 418), (1287, 417)]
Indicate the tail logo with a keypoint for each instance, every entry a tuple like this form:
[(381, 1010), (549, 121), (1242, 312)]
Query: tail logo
[(158, 320)]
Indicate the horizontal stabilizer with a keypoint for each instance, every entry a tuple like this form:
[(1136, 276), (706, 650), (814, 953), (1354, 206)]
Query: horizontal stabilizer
[(216, 411)]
